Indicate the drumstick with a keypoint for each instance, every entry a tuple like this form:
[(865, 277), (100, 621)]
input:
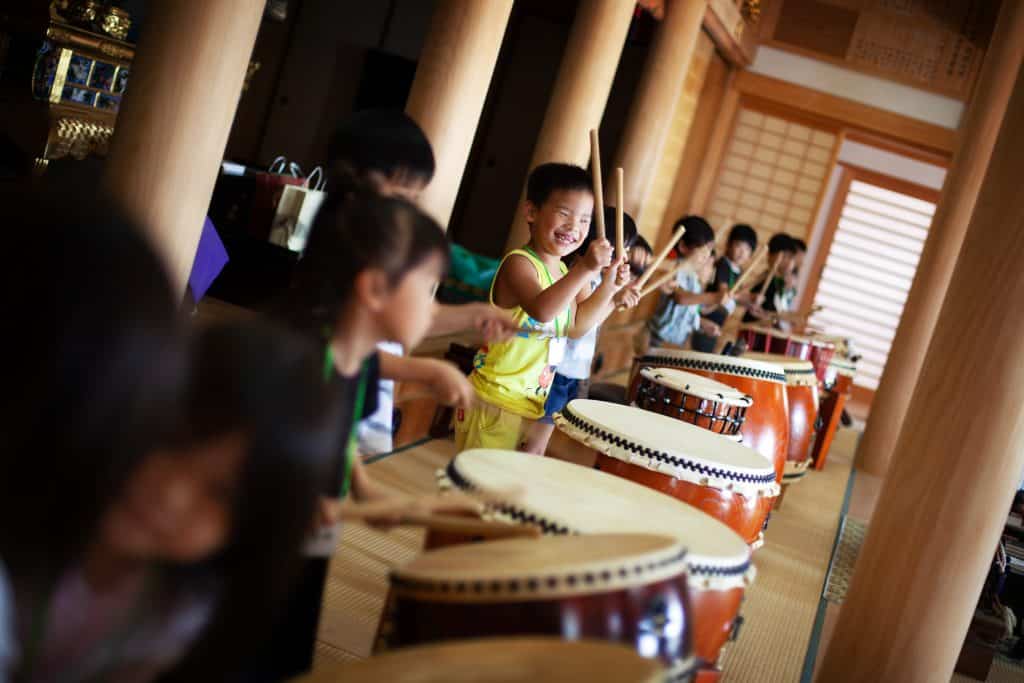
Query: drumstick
[(678, 235), (620, 203), (595, 170), (654, 286), (767, 281), (745, 275), (466, 526)]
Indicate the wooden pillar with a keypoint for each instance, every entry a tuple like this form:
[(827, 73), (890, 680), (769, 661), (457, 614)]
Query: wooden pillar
[(944, 502), (451, 84), (176, 116), (945, 237), (581, 90), (716, 147), (657, 95)]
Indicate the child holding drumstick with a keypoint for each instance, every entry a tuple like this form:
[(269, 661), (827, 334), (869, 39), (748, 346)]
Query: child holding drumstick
[(549, 302), (573, 373), (678, 313)]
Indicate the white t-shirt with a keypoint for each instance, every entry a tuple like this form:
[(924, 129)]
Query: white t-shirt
[(579, 353), (375, 432)]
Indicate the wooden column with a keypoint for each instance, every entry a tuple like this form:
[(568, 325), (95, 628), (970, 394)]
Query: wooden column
[(945, 237), (716, 147), (451, 84), (654, 105), (174, 122), (581, 90), (942, 507)]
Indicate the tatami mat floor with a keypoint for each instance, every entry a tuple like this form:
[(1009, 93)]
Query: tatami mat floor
[(780, 608)]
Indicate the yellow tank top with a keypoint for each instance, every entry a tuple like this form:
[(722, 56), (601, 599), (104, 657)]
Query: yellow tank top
[(515, 375)]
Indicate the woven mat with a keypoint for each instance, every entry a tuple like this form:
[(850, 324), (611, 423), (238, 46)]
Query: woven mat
[(782, 604), (844, 560), (779, 609), (357, 583)]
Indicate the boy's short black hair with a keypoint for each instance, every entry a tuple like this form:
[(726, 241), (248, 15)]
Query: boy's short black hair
[(642, 243), (799, 244), (552, 177), (698, 232), (781, 242), (741, 232), (383, 140)]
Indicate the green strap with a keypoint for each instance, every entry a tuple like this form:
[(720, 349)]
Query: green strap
[(357, 412), (551, 281)]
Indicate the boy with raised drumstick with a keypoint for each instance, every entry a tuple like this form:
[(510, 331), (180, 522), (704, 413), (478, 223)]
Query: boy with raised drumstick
[(678, 313), (549, 303)]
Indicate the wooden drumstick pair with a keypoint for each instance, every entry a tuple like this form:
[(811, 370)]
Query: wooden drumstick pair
[(595, 170)]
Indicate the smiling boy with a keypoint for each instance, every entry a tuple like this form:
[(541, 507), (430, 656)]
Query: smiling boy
[(549, 303)]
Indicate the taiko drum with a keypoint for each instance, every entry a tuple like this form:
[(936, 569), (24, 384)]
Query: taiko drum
[(563, 498), (728, 481), (766, 423), (701, 401), (626, 588), (802, 397)]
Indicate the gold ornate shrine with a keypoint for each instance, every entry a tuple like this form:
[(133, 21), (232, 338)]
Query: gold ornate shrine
[(82, 75)]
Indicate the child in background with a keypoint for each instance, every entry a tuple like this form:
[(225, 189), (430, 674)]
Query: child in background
[(640, 255), (772, 295), (549, 303), (738, 251), (678, 312), (368, 274), (385, 151), (160, 477), (573, 375)]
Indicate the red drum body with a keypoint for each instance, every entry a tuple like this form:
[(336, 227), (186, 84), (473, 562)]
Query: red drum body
[(744, 515), (562, 498), (821, 356), (766, 424), (626, 588), (770, 340), (691, 398), (802, 397), (724, 479), (838, 387)]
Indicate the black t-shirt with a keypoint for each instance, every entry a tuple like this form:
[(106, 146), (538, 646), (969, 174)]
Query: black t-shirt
[(769, 297), (348, 388), (724, 275)]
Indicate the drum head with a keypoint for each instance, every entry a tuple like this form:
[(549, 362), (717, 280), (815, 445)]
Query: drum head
[(669, 446), (497, 660), (698, 385), (712, 362), (524, 569), (798, 372), (566, 498)]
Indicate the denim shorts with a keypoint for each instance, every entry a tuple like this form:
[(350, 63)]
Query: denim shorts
[(563, 389)]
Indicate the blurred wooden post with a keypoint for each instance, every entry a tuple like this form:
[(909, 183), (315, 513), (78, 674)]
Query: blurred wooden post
[(450, 87), (945, 238), (944, 502), (174, 122), (581, 90)]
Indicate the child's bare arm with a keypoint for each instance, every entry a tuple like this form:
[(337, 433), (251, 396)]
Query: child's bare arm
[(517, 285), (684, 298), (594, 309)]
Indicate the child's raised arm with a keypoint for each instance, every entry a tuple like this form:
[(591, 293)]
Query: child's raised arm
[(517, 284), (593, 308)]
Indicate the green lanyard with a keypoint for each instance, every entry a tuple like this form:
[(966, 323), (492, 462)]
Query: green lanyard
[(551, 282), (357, 411)]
